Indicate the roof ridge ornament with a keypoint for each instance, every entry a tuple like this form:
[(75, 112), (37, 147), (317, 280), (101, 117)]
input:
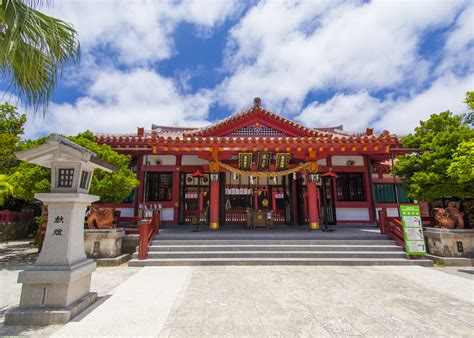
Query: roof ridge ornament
[(257, 102)]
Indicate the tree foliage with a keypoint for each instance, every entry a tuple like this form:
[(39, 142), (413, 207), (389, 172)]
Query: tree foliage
[(26, 179), (111, 187), (470, 105), (470, 100), (11, 127), (443, 139), (34, 48), (6, 187), (462, 166)]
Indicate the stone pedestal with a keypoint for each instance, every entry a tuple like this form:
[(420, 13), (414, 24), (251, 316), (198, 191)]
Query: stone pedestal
[(57, 286), (450, 242), (103, 243)]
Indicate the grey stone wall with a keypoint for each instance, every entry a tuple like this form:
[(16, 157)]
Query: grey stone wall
[(16, 230), (450, 242), (130, 243)]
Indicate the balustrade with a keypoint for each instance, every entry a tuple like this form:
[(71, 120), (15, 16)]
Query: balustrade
[(148, 228)]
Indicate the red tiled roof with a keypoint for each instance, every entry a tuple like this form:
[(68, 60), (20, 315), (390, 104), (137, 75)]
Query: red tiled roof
[(213, 132)]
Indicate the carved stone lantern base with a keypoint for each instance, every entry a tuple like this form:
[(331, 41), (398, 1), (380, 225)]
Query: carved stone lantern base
[(57, 286)]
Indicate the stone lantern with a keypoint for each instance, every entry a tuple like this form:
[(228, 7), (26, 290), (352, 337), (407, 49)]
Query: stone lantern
[(57, 286)]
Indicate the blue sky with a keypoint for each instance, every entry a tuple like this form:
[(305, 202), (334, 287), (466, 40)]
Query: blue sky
[(382, 64)]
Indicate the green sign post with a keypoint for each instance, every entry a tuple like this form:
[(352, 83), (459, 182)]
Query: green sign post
[(413, 230)]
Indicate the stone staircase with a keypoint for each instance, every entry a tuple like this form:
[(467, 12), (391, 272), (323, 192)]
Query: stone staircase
[(356, 252)]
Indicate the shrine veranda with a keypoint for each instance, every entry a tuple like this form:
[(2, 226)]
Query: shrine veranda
[(257, 160)]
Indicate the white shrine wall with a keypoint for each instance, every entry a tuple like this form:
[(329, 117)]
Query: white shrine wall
[(342, 160), (160, 159), (352, 214), (193, 160)]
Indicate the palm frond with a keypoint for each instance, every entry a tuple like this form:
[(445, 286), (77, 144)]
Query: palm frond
[(34, 48)]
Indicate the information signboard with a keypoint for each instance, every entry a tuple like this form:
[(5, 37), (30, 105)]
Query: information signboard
[(413, 230)]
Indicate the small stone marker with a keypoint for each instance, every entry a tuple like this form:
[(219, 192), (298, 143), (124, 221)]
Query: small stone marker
[(57, 287)]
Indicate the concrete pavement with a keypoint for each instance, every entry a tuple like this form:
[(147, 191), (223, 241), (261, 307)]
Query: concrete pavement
[(264, 301)]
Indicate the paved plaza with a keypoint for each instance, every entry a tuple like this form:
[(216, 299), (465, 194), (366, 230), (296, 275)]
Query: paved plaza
[(266, 301)]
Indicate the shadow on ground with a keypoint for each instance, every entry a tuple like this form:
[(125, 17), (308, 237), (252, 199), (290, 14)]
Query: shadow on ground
[(17, 255)]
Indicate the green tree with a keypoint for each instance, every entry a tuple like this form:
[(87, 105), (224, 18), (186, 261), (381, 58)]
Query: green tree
[(11, 127), (462, 167), (6, 187), (426, 173), (111, 187), (26, 179), (470, 104), (470, 100), (34, 48), (31, 179)]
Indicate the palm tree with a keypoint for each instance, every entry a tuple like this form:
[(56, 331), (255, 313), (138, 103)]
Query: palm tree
[(6, 187), (34, 48)]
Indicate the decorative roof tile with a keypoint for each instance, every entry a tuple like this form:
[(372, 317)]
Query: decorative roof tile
[(221, 131)]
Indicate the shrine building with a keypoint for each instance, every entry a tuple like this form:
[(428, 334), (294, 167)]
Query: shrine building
[(256, 163)]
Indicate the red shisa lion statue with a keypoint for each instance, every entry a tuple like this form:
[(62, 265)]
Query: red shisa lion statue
[(100, 218), (450, 217)]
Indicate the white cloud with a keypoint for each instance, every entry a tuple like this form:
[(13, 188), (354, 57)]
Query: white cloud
[(354, 111), (282, 51), (446, 93), (459, 45), (121, 101), (139, 31), (136, 34), (361, 110)]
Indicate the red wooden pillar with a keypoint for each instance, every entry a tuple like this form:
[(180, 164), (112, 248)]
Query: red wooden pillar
[(274, 201), (382, 219), (141, 180), (294, 205), (214, 202), (313, 212), (176, 187), (369, 189)]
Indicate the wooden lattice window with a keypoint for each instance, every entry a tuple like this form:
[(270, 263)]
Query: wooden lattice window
[(385, 193), (159, 187), (65, 178), (350, 187)]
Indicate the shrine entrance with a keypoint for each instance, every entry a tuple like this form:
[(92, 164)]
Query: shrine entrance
[(327, 208), (285, 197), (194, 197), (243, 194)]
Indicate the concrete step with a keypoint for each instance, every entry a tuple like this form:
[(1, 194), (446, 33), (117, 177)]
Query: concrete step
[(277, 261), (274, 242), (274, 254), (274, 247)]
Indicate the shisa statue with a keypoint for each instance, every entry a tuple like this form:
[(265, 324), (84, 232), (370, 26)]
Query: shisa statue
[(101, 218), (450, 217)]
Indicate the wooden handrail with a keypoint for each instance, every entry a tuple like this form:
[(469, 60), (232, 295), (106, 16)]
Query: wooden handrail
[(148, 228), (392, 226)]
